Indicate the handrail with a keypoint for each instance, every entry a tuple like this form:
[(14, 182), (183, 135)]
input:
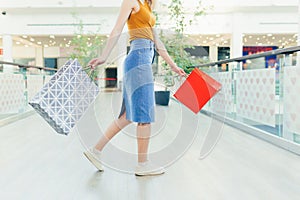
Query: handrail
[(27, 66), (288, 50)]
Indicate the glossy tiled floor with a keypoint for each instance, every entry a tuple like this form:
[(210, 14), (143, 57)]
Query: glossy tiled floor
[(36, 163)]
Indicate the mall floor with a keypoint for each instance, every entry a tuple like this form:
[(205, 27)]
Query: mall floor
[(37, 163)]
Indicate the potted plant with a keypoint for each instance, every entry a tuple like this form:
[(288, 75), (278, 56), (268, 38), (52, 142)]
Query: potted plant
[(85, 47), (176, 45)]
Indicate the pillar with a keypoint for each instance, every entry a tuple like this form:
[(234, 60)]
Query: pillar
[(7, 44)]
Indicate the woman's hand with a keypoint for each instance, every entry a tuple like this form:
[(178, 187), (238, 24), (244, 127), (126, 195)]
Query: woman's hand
[(179, 71), (95, 62)]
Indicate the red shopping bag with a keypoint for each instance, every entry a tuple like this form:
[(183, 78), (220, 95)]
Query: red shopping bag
[(197, 90)]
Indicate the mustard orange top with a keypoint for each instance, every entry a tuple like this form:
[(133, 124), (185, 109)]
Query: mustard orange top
[(140, 23)]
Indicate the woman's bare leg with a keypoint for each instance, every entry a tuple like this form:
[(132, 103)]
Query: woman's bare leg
[(112, 130), (143, 134)]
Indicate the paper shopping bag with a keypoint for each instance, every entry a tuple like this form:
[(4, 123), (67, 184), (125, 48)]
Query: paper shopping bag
[(65, 98), (197, 90)]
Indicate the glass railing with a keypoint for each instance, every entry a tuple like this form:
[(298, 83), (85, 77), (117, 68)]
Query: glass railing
[(260, 94), (17, 87)]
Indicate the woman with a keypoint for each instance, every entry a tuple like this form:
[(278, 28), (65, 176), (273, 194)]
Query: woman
[(138, 91)]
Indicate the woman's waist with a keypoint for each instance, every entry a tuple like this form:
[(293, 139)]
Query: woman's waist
[(141, 43)]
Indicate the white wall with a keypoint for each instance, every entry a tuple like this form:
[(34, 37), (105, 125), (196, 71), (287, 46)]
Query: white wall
[(58, 22)]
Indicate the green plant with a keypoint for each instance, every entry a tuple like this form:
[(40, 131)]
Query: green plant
[(177, 43), (86, 45)]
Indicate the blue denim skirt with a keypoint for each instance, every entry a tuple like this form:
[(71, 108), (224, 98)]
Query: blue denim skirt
[(138, 85)]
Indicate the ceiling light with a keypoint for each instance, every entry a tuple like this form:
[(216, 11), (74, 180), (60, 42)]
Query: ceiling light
[(211, 38), (25, 45), (52, 36), (39, 42), (24, 36), (18, 42), (273, 38), (32, 39), (250, 36), (46, 45), (218, 35), (65, 39), (269, 34), (258, 39)]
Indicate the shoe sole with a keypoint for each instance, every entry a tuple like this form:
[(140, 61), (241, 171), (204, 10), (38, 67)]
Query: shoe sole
[(140, 175), (92, 161)]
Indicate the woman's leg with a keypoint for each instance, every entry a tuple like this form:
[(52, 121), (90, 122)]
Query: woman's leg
[(143, 134), (112, 130)]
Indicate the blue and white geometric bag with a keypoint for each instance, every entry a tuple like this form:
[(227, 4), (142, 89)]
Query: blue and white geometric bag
[(64, 99)]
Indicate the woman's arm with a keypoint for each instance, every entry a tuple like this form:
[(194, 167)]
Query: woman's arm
[(126, 8), (162, 51)]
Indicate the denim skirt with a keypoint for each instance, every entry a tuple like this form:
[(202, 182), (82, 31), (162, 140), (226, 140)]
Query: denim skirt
[(138, 85)]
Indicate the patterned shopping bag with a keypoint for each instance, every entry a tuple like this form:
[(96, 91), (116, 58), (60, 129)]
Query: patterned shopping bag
[(65, 98), (197, 90)]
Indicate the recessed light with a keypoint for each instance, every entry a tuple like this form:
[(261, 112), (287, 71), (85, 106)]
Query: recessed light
[(52, 36), (211, 38), (46, 45), (39, 42), (25, 45), (32, 39), (250, 36), (18, 42), (65, 39), (24, 36), (269, 34)]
